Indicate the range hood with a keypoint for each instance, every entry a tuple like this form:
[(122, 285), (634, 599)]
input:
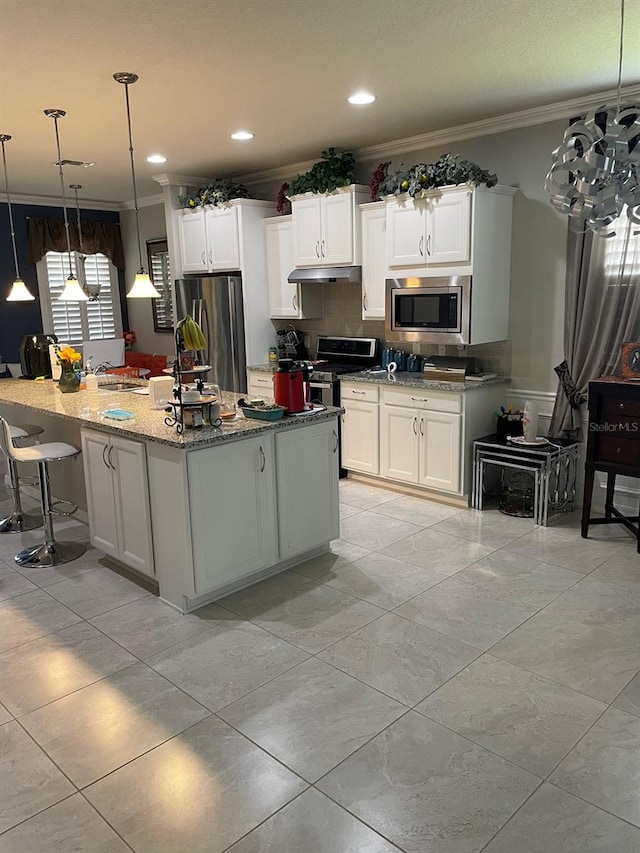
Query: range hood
[(320, 274)]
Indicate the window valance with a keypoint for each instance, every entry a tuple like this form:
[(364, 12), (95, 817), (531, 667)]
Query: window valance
[(48, 235)]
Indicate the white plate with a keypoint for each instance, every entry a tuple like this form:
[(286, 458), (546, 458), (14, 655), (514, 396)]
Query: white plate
[(141, 391), (519, 439)]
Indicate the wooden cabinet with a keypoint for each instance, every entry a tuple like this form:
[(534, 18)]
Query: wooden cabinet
[(233, 514), (118, 498), (259, 384), (307, 494), (375, 265), (209, 240), (431, 231), (286, 299), (360, 428), (326, 229)]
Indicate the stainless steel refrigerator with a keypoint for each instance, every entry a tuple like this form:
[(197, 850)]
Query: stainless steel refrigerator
[(215, 303)]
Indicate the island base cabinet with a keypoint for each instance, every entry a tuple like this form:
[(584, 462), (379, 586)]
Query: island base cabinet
[(233, 516), (308, 514), (118, 499)]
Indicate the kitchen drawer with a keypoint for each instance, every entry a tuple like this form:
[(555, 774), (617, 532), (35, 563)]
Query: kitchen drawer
[(612, 407), (259, 384), (365, 393), (613, 448), (418, 399)]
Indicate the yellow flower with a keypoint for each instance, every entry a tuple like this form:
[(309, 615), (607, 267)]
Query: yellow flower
[(69, 354)]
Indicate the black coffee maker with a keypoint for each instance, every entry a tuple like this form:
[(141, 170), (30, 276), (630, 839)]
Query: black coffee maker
[(34, 356)]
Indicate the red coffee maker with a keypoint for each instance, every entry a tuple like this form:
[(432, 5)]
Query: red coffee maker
[(290, 385)]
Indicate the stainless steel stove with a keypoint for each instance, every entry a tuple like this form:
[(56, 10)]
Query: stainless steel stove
[(336, 357)]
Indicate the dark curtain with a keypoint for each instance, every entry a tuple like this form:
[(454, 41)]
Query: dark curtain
[(48, 235)]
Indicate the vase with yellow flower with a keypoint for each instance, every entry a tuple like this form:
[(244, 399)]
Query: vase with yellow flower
[(69, 378)]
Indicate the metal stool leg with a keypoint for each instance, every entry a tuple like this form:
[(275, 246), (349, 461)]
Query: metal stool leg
[(19, 520), (50, 553)]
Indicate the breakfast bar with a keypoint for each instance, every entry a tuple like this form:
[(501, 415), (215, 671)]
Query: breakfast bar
[(204, 513)]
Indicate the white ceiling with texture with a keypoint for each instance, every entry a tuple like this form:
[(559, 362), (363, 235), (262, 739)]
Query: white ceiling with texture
[(283, 69)]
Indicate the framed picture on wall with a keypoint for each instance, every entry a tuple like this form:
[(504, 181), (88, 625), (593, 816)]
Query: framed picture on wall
[(630, 358), (160, 274)]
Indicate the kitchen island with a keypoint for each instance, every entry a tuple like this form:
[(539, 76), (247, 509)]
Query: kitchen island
[(204, 513)]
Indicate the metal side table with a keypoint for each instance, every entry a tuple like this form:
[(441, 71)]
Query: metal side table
[(552, 466)]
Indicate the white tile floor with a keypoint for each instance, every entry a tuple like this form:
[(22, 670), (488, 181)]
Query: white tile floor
[(444, 681)]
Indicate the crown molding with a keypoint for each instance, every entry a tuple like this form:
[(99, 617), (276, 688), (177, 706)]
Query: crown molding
[(52, 201), (484, 127), (147, 201), (171, 179)]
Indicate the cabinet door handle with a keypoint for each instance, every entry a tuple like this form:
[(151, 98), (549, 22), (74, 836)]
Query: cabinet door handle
[(263, 459), (420, 246), (335, 436), (364, 301), (104, 455), (429, 245), (420, 399), (317, 248), (322, 248), (421, 426), (415, 426), (111, 465), (203, 258), (211, 257), (294, 301)]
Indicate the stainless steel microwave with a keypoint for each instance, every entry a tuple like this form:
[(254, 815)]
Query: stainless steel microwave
[(429, 310)]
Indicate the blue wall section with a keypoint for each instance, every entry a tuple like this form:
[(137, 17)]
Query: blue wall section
[(18, 319)]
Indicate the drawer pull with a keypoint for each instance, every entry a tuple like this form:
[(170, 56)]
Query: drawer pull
[(622, 405), (357, 392), (618, 450), (420, 399)]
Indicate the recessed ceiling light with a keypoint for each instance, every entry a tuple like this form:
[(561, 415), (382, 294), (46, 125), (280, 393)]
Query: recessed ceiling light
[(242, 134), (361, 98), (156, 158)]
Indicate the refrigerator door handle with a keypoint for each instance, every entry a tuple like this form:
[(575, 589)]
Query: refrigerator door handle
[(232, 330)]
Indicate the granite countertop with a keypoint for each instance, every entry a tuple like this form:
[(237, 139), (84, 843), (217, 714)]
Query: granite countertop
[(417, 380), (262, 368), (147, 424)]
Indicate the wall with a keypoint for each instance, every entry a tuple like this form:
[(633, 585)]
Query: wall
[(152, 227), (520, 158), (18, 319)]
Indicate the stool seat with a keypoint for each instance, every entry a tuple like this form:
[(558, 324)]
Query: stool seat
[(50, 552), (19, 520), (49, 452)]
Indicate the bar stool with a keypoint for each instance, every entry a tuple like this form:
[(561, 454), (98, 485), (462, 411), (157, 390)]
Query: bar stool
[(50, 552), (19, 520)]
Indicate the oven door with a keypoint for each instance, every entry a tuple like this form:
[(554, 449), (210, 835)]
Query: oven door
[(322, 392)]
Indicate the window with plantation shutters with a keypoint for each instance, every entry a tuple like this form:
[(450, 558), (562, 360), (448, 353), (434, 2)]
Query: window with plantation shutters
[(161, 276), (74, 322)]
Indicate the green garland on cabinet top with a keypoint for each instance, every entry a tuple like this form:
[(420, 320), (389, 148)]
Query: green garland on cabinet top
[(448, 170), (330, 173), (217, 192)]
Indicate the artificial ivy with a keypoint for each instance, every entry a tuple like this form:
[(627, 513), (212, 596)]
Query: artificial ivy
[(448, 170), (328, 174)]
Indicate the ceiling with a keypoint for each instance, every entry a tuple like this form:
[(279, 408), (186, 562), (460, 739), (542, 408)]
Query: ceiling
[(283, 69)]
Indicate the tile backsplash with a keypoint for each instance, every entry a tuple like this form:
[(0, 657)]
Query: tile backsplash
[(343, 316)]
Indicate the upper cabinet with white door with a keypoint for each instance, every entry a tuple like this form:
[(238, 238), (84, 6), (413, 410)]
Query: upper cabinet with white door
[(326, 228), (287, 299), (375, 265), (454, 227), (209, 239)]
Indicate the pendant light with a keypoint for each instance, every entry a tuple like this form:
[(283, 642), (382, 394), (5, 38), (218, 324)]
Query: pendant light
[(594, 174), (92, 290), (142, 286), (19, 291), (72, 291)]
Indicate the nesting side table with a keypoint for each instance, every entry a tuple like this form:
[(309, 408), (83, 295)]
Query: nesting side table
[(552, 466)]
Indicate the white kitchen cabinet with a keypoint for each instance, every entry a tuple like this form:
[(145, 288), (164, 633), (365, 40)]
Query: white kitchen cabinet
[(360, 428), (209, 240), (259, 384), (375, 266), (422, 438), (233, 514), (400, 443), (288, 300), (307, 494), (432, 231), (118, 498), (326, 229)]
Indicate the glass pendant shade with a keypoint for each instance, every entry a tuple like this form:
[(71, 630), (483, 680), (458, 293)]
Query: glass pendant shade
[(72, 291), (19, 292), (143, 287)]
